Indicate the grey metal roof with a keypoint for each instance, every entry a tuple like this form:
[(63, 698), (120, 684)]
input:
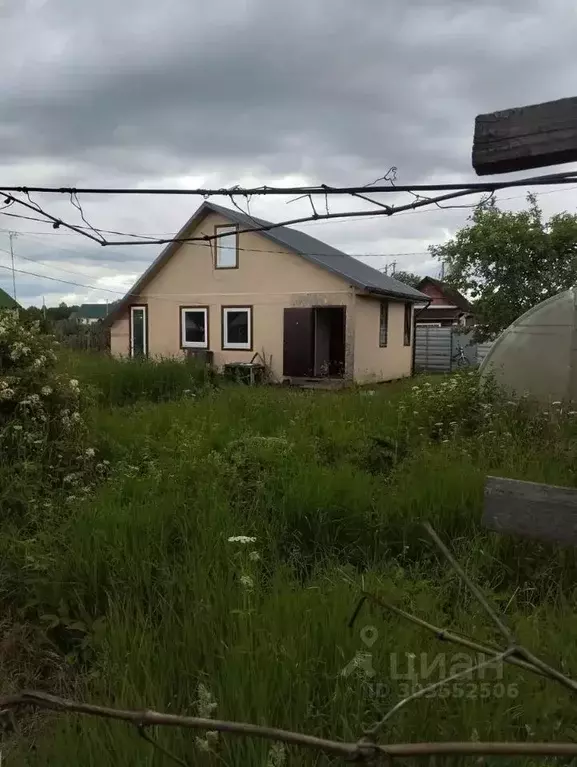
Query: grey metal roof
[(355, 272)]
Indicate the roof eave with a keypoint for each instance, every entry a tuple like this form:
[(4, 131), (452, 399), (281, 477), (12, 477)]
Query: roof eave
[(417, 299)]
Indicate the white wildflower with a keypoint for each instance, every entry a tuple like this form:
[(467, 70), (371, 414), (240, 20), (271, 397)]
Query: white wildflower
[(202, 744), (212, 737), (247, 581), (17, 427), (205, 703), (6, 393), (254, 556), (90, 452), (74, 384), (241, 539), (75, 417), (46, 391), (276, 755)]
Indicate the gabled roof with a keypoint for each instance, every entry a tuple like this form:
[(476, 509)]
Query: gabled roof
[(352, 270), (93, 311), (451, 293), (6, 301)]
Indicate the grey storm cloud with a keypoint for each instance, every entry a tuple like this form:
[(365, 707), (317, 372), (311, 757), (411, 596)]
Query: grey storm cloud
[(335, 91)]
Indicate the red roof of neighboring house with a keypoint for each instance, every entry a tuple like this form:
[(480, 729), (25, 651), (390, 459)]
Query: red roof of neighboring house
[(452, 295)]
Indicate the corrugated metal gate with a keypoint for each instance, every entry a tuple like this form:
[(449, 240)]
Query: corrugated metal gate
[(436, 349)]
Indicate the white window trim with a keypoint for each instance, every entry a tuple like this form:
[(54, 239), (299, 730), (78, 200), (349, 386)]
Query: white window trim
[(143, 308), (193, 344), (225, 342), (233, 230)]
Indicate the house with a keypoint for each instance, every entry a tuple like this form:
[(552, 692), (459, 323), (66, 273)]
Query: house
[(7, 302), (308, 309), (88, 314), (447, 307)]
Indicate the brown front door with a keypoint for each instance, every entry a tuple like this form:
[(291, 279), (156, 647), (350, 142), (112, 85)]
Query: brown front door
[(298, 352)]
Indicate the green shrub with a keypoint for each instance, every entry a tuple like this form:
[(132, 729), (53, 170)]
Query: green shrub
[(44, 444)]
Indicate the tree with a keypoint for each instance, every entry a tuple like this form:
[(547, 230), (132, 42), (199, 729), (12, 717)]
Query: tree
[(407, 278), (508, 262)]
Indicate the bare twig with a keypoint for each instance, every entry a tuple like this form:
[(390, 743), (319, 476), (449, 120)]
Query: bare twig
[(372, 731), (360, 751), (472, 587), (447, 635)]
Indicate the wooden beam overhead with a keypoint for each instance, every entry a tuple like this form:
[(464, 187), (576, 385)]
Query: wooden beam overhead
[(526, 137)]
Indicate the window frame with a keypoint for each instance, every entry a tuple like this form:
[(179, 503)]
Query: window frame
[(225, 344), (384, 310), (184, 344), (233, 228), (408, 324), (132, 308)]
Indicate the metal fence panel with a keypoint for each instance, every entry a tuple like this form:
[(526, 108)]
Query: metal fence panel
[(433, 349), (437, 349)]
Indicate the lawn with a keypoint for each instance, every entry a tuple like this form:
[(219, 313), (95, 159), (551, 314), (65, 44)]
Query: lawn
[(141, 597)]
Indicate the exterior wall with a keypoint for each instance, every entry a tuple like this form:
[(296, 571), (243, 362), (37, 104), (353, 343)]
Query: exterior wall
[(435, 295), (269, 281), (375, 363)]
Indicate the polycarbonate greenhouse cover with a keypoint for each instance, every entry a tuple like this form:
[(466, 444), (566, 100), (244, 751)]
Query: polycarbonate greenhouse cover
[(537, 354)]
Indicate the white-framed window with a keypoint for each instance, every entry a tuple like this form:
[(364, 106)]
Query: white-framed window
[(237, 327), (139, 330), (194, 327), (226, 245)]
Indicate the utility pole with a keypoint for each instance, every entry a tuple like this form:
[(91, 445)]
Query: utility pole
[(12, 236)]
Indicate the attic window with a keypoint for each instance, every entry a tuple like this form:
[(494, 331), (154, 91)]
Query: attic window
[(226, 247)]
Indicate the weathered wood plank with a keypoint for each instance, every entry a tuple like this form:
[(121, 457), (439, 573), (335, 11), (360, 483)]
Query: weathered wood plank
[(526, 137), (531, 510)]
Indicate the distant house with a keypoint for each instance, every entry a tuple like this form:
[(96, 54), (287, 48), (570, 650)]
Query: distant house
[(7, 302), (308, 309), (88, 314), (448, 306)]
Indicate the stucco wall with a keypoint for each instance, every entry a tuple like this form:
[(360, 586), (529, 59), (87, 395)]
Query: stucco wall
[(269, 279), (372, 362)]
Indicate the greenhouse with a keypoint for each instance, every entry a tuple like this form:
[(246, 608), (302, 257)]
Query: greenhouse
[(537, 354)]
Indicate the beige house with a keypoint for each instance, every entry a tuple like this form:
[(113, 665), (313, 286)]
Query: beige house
[(305, 308)]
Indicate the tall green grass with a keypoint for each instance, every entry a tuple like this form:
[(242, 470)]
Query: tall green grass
[(147, 594), (125, 381)]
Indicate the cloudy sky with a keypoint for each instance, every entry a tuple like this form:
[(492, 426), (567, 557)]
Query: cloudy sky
[(187, 93)]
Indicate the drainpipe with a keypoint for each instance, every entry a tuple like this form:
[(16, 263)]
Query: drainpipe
[(415, 336)]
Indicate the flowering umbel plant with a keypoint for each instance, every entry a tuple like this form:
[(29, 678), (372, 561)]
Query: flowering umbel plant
[(43, 439)]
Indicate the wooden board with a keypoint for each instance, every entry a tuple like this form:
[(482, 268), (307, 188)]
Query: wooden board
[(531, 510), (526, 137)]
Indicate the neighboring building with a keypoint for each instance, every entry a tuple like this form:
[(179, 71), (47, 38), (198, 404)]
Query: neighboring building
[(308, 309), (87, 314), (7, 302), (448, 306)]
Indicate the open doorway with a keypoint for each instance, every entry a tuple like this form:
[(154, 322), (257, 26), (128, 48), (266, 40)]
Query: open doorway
[(314, 342)]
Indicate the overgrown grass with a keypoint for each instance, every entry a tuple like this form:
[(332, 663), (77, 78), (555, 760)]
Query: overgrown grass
[(141, 590), (118, 382)]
